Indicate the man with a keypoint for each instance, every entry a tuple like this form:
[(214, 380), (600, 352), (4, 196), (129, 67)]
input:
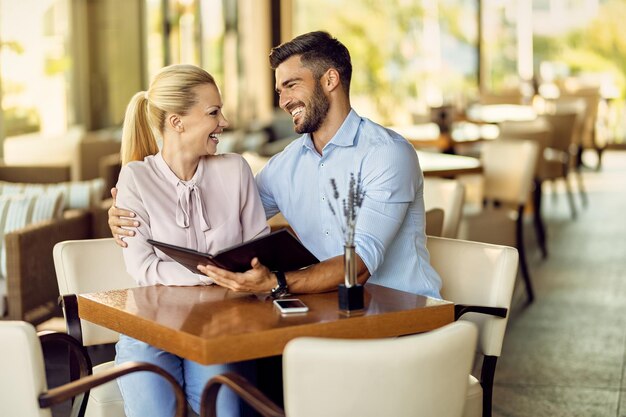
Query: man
[(313, 73)]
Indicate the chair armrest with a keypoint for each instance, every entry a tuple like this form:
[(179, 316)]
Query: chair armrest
[(78, 359), (69, 305), (460, 309), (248, 392), (87, 381)]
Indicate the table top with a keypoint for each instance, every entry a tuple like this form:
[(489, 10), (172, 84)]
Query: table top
[(213, 325), (436, 164), (497, 113)]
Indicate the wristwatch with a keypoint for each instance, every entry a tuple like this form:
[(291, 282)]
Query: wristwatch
[(281, 289)]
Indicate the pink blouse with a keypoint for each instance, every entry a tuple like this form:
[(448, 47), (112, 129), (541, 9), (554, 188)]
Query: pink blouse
[(219, 207)]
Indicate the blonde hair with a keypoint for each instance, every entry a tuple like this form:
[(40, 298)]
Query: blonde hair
[(171, 92)]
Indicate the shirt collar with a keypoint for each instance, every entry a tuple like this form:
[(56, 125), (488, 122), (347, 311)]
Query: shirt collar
[(345, 136)]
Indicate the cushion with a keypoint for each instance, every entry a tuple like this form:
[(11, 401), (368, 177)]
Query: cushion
[(105, 400), (19, 212), (474, 399), (76, 194)]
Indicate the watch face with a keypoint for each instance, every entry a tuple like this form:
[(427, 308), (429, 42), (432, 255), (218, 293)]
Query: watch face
[(280, 291)]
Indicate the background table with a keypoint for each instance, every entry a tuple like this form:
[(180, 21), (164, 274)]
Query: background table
[(435, 164)]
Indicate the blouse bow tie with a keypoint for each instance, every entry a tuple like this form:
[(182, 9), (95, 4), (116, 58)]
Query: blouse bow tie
[(184, 192)]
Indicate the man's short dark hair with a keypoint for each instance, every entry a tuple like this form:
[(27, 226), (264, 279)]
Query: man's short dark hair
[(318, 51)]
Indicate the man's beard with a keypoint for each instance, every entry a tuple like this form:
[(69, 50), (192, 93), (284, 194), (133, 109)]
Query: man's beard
[(316, 112)]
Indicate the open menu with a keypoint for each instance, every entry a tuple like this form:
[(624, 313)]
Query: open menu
[(279, 251)]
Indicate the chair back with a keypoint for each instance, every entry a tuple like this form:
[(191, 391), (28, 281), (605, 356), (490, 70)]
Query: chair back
[(448, 195), (475, 273), (563, 130), (591, 98), (424, 374), (434, 221), (91, 265), (538, 131), (509, 167), (23, 372)]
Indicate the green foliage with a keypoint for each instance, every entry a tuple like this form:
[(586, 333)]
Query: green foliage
[(55, 66), (600, 47), (385, 39), (12, 46), (18, 121)]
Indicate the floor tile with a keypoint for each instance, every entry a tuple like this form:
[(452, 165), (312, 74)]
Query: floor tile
[(548, 401)]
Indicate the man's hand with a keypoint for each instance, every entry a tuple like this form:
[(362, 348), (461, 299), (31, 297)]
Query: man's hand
[(259, 279), (119, 218)]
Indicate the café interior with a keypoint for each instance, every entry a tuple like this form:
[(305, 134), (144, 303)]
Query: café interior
[(516, 110)]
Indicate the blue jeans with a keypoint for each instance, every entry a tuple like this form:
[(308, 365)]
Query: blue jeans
[(148, 394)]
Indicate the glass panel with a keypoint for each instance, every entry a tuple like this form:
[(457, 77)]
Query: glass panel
[(499, 46), (213, 29), (155, 49), (196, 35), (580, 51), (184, 32), (35, 66), (173, 33), (408, 56)]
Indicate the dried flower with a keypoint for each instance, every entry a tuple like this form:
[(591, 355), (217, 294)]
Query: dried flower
[(349, 207)]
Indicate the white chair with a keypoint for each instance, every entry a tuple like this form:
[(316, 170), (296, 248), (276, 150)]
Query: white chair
[(84, 266), (508, 170), (479, 278), (424, 374), (449, 195), (539, 131), (559, 155), (23, 386)]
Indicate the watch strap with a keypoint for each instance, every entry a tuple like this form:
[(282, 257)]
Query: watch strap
[(281, 289)]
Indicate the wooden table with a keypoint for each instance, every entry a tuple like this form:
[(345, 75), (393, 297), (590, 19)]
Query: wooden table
[(435, 164), (498, 113), (212, 325), (424, 136)]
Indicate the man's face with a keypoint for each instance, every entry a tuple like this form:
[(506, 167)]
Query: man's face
[(301, 95)]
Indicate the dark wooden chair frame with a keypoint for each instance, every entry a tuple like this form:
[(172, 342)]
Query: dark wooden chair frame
[(78, 389)]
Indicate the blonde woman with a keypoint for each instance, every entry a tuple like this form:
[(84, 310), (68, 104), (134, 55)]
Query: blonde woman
[(188, 196)]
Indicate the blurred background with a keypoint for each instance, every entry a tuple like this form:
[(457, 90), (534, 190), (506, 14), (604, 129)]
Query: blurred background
[(70, 66)]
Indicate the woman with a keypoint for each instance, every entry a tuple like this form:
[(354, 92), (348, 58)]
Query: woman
[(187, 196)]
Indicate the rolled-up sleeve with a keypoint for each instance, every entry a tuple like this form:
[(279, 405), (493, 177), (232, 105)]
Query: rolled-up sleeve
[(391, 176), (142, 263)]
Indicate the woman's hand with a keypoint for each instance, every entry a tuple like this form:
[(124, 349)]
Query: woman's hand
[(258, 279), (120, 220)]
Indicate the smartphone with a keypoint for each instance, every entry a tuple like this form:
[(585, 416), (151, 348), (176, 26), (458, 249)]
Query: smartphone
[(290, 305)]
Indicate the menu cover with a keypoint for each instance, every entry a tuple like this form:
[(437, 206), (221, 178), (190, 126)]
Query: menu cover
[(279, 251)]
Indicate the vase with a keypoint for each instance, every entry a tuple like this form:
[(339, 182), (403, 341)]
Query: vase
[(350, 292), (349, 265)]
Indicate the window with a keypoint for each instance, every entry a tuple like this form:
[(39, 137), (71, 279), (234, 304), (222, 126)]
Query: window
[(35, 67), (407, 55)]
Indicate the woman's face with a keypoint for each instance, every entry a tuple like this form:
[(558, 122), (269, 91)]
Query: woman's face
[(204, 122)]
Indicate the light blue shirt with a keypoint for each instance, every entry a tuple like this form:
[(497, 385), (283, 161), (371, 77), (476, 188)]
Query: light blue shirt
[(390, 236)]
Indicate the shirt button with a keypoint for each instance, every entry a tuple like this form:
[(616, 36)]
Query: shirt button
[(322, 164), (323, 198), (327, 233)]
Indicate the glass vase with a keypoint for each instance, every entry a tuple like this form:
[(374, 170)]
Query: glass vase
[(350, 292)]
